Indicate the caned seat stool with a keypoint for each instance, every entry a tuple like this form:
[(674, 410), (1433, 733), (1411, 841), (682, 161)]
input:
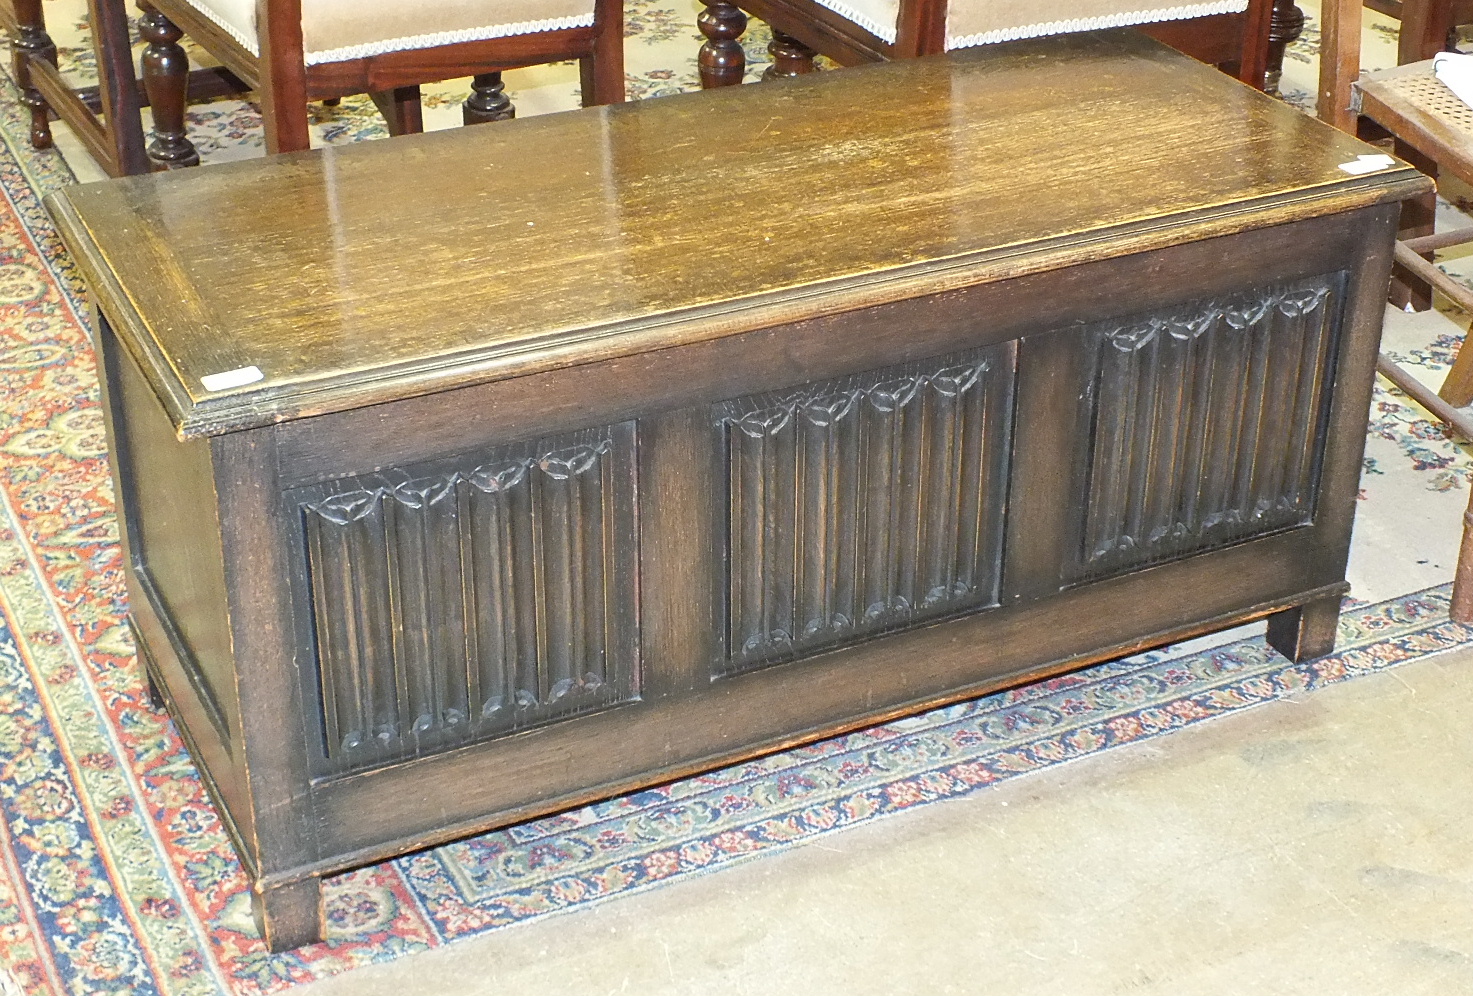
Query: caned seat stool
[(1415, 106), (293, 51)]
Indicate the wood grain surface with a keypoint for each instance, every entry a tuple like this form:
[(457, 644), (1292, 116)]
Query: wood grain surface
[(356, 276)]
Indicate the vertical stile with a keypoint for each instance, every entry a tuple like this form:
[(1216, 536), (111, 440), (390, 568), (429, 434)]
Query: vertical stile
[(846, 460), (1140, 433), (976, 434), (1198, 359), (1256, 383), (594, 489), (475, 592), (1172, 411)]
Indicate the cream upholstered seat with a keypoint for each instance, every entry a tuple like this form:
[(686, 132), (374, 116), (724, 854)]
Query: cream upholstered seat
[(984, 22), (293, 51), (339, 30), (853, 31)]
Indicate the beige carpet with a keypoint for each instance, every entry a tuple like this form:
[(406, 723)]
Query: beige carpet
[(1316, 846)]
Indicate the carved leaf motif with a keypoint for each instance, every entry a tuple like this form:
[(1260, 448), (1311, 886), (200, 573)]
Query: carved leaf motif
[(1302, 301), (1245, 312), (957, 380), (495, 478), (764, 423), (570, 462), (425, 492), (1184, 327), (896, 394), (829, 409), (1133, 337), (350, 507)]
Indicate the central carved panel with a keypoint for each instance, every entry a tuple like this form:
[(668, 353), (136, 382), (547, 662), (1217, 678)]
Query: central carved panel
[(453, 603), (1206, 424), (865, 504)]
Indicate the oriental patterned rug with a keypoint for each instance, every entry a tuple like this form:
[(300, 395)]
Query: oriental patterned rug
[(115, 874)]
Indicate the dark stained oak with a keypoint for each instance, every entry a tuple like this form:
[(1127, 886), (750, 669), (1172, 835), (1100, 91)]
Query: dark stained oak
[(639, 261), (546, 487)]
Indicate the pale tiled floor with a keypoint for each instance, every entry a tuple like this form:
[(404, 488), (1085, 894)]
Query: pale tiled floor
[(1315, 846)]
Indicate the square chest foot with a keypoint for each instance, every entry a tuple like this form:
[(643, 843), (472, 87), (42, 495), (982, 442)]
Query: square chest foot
[(290, 915), (1305, 632)]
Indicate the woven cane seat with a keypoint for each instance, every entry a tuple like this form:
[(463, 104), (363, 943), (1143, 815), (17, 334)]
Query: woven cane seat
[(1412, 103)]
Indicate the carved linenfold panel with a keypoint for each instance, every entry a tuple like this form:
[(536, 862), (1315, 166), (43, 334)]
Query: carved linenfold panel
[(865, 504), (1206, 424), (472, 600)]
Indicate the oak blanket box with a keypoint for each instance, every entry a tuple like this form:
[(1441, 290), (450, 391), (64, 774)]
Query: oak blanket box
[(477, 475)]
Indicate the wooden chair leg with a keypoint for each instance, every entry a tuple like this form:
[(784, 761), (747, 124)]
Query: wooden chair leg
[(32, 42), (1425, 27), (1418, 216), (1340, 29), (790, 57), (401, 109), (1457, 389), (488, 101), (601, 71), (1285, 27), (722, 61), (166, 80), (1461, 609)]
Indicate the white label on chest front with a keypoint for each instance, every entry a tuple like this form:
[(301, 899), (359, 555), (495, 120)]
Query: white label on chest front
[(232, 378)]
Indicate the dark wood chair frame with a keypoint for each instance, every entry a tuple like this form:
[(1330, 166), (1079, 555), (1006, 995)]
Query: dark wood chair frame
[(1250, 45), (1432, 144), (105, 117), (285, 84)]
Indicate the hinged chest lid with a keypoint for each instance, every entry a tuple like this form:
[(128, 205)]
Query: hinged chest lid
[(263, 291)]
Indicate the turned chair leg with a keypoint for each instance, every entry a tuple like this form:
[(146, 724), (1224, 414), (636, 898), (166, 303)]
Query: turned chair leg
[(722, 61), (166, 80), (32, 42), (1284, 29), (790, 57), (401, 109), (488, 101), (1461, 609)]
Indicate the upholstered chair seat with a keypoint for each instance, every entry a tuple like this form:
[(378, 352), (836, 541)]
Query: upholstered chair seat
[(340, 30), (983, 22), (856, 31), (293, 51)]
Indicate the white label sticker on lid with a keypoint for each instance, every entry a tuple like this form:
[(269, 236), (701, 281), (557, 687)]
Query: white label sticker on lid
[(232, 378), (1367, 164)]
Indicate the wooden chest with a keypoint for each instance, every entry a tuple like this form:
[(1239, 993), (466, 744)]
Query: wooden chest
[(473, 476)]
